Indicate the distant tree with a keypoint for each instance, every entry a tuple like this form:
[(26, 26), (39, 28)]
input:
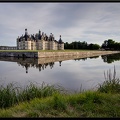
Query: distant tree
[(96, 46), (84, 45), (81, 45), (105, 44), (90, 46), (93, 46), (111, 45), (66, 45), (117, 46)]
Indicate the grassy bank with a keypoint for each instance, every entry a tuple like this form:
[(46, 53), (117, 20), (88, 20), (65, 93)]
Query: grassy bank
[(87, 104), (51, 101)]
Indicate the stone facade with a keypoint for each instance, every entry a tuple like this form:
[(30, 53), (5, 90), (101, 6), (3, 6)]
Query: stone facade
[(39, 42)]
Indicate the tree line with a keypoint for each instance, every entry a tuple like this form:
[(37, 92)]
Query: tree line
[(81, 45), (107, 45)]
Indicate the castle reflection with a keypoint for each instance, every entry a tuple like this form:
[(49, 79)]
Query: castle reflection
[(27, 63), (38, 66), (43, 63), (40, 63)]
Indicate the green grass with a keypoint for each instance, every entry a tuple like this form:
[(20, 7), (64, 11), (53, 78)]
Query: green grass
[(87, 104), (18, 94), (51, 101), (111, 83)]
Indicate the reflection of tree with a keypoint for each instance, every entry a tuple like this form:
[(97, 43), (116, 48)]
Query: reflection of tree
[(111, 58), (81, 59), (94, 57)]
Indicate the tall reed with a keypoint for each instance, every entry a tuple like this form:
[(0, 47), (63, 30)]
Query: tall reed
[(111, 83), (12, 94)]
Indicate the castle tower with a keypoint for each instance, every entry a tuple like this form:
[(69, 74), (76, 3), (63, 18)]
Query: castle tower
[(60, 40), (18, 39), (60, 44)]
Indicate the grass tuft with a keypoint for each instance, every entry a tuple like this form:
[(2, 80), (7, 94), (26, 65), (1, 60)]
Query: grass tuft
[(111, 83), (11, 94), (59, 102)]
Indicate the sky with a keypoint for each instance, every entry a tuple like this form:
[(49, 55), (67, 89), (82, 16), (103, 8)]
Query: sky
[(76, 21)]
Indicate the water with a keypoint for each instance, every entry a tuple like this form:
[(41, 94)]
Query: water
[(73, 75)]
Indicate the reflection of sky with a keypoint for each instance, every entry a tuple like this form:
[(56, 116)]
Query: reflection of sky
[(71, 74)]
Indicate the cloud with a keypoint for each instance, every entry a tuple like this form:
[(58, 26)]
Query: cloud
[(90, 22)]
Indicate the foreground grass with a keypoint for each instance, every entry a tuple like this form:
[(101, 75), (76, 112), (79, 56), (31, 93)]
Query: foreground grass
[(51, 101), (87, 104)]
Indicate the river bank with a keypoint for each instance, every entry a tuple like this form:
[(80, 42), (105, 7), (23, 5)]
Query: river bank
[(50, 101), (45, 101), (48, 54)]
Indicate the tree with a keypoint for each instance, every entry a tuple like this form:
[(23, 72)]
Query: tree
[(66, 45), (111, 45), (93, 46), (96, 46)]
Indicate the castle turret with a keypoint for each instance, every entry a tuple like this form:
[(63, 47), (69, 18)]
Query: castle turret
[(26, 35), (26, 32), (39, 32), (39, 35), (60, 44), (60, 40)]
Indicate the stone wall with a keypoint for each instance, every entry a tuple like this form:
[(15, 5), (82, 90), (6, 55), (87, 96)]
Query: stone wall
[(19, 54), (80, 54)]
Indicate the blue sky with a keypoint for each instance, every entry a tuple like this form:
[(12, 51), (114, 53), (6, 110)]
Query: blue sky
[(91, 22)]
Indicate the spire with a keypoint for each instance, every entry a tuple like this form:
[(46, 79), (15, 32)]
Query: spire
[(26, 31), (60, 41), (26, 34), (60, 63), (39, 35), (26, 67), (39, 32)]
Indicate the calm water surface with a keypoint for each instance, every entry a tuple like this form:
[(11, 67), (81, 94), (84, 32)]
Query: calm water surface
[(73, 75)]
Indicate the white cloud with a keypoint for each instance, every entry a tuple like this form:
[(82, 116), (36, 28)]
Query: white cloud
[(90, 22)]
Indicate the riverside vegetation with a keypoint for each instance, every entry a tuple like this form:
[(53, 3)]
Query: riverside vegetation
[(51, 101)]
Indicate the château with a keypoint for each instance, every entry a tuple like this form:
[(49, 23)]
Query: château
[(39, 41)]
